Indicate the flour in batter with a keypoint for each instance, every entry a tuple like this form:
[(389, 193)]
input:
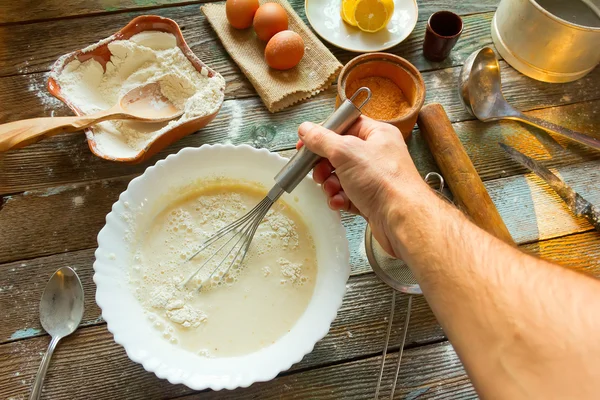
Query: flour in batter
[(249, 308)]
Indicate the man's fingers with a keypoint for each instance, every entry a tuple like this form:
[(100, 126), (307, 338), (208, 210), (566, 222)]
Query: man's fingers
[(322, 171), (332, 185), (341, 202), (338, 201), (320, 140), (362, 128)]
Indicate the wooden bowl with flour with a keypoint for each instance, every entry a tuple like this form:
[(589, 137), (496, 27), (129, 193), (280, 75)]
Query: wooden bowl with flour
[(101, 53)]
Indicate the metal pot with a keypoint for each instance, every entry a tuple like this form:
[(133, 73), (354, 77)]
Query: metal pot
[(549, 40)]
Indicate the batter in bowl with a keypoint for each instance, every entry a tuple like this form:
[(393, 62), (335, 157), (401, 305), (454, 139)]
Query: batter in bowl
[(246, 309)]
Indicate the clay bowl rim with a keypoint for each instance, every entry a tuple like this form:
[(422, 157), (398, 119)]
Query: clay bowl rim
[(142, 23), (400, 62)]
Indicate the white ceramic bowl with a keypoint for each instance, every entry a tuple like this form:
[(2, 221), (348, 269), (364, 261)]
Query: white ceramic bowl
[(124, 315)]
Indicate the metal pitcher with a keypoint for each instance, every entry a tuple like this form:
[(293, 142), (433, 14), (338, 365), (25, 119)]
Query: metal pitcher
[(549, 40)]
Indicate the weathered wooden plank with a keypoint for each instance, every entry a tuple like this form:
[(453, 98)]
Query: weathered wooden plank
[(59, 220), (476, 34), (29, 232), (578, 252), (365, 307), (429, 372), (332, 385), (34, 47), (30, 229), (481, 141), (22, 286), (522, 92), (241, 121), (23, 356), (357, 331), (13, 12), (27, 11), (65, 158), (86, 361), (533, 211), (111, 375), (25, 96)]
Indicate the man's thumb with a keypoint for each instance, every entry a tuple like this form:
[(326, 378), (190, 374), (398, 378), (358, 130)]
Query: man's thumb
[(319, 140)]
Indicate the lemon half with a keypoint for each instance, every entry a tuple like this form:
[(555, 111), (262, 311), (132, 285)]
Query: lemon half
[(347, 11), (373, 15)]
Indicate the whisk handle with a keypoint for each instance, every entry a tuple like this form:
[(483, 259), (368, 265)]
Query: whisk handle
[(304, 160)]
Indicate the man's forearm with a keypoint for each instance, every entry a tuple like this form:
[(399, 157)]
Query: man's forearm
[(515, 321)]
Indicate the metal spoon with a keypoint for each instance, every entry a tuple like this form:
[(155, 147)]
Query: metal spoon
[(61, 310), (145, 103), (480, 90)]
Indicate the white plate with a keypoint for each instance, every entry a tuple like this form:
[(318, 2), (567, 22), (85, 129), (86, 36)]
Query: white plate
[(124, 314), (325, 18)]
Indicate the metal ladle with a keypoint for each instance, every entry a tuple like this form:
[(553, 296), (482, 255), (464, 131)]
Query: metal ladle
[(480, 90), (61, 310)]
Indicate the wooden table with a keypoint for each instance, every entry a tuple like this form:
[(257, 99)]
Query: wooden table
[(54, 196)]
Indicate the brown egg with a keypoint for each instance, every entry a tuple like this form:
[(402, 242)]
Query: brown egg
[(284, 50), (270, 18), (240, 13)]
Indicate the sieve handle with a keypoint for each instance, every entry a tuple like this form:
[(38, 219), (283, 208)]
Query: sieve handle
[(304, 160)]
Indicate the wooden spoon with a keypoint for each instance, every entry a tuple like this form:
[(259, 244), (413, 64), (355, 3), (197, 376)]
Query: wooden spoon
[(145, 103)]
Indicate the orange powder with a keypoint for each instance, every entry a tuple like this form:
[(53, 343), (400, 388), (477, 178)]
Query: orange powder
[(387, 100)]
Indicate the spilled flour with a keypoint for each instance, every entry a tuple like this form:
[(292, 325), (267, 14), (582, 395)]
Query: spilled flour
[(236, 312), (150, 56), (38, 87)]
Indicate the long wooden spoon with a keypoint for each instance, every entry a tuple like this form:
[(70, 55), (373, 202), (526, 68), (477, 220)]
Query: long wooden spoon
[(144, 103)]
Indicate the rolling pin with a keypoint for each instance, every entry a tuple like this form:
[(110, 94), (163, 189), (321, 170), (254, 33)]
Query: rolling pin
[(458, 171)]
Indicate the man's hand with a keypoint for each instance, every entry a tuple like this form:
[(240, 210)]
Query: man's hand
[(523, 328), (364, 170)]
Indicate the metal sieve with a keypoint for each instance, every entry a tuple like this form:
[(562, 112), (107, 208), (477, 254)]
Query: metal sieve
[(396, 274)]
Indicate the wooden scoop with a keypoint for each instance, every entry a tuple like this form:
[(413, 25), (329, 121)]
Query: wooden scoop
[(145, 103)]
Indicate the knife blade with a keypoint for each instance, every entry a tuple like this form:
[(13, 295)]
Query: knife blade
[(578, 205)]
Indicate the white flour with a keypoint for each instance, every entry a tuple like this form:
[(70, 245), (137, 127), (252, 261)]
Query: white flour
[(235, 313), (38, 87), (150, 56)]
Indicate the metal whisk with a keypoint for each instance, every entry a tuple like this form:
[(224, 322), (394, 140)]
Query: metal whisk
[(238, 236)]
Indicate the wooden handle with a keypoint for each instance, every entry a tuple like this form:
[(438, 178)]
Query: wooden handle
[(25, 132), (459, 172), (22, 133)]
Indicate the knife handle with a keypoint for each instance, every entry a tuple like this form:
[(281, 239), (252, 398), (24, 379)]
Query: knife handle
[(590, 212)]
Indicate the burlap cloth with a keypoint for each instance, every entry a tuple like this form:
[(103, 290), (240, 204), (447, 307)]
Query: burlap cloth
[(277, 89)]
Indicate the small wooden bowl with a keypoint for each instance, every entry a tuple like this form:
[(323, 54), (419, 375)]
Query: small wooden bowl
[(401, 72), (101, 53)]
